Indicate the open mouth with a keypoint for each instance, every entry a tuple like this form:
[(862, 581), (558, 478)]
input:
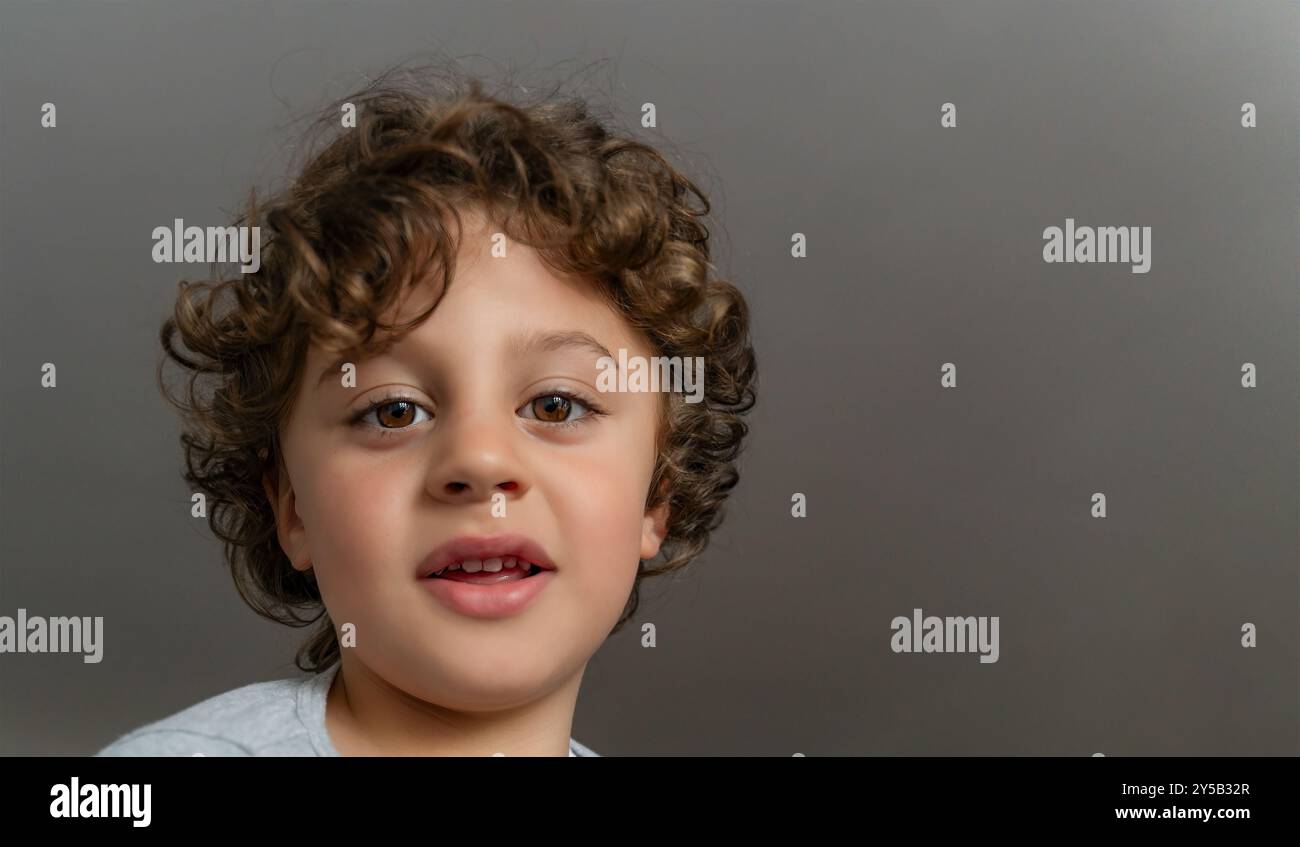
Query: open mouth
[(488, 571), (487, 576)]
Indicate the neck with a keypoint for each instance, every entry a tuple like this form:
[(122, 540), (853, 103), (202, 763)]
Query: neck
[(365, 715)]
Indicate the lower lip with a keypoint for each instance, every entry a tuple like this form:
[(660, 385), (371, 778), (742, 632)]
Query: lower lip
[(498, 600)]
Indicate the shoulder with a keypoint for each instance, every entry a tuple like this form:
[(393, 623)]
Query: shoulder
[(576, 748), (258, 719)]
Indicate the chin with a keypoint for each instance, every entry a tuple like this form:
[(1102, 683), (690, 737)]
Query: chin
[(480, 682)]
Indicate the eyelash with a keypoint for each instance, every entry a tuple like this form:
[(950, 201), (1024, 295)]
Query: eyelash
[(593, 411)]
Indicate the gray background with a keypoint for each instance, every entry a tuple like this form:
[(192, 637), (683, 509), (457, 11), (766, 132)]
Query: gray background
[(1118, 636)]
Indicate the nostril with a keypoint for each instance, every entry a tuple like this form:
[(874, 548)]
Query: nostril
[(508, 486), (456, 487)]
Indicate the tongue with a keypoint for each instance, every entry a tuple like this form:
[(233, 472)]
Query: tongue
[(485, 578)]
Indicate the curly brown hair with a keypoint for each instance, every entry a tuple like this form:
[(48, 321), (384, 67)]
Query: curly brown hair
[(366, 217)]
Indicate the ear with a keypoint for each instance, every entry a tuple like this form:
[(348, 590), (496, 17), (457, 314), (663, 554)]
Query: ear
[(289, 527), (653, 530)]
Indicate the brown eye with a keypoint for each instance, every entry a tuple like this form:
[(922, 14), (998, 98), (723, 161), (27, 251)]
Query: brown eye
[(405, 410), (558, 409), (392, 414), (552, 408)]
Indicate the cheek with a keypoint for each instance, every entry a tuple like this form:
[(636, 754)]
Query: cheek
[(598, 499), (353, 520)]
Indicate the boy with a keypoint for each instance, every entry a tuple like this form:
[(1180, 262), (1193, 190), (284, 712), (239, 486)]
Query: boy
[(405, 440)]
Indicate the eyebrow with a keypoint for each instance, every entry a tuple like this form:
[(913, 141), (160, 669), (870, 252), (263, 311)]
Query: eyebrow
[(551, 342), (520, 346)]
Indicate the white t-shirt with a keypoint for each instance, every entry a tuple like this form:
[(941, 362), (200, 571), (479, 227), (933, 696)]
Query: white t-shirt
[(281, 718)]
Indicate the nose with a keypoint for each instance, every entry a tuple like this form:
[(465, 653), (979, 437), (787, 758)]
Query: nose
[(476, 458)]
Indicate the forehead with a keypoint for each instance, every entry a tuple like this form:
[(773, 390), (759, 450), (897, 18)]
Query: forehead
[(506, 301)]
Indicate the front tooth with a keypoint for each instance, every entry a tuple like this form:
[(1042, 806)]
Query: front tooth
[(491, 565), (471, 566)]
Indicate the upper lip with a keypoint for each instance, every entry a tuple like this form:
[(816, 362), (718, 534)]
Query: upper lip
[(482, 547)]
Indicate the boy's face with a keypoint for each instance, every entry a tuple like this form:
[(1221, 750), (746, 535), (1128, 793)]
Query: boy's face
[(367, 502)]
